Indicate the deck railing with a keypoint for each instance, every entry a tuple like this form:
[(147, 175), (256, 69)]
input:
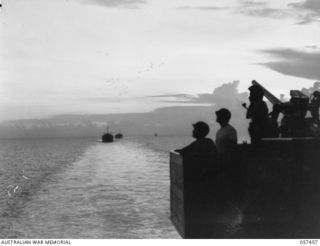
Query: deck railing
[(272, 190)]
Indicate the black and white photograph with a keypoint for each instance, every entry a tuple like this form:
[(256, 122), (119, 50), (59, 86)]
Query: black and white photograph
[(159, 119)]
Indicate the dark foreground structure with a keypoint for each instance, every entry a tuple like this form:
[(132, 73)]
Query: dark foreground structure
[(269, 190)]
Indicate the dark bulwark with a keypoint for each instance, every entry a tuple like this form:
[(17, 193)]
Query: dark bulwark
[(268, 190)]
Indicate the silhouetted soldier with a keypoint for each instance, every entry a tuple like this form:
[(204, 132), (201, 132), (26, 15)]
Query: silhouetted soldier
[(201, 145), (258, 113), (226, 137), (200, 159), (230, 168), (315, 102)]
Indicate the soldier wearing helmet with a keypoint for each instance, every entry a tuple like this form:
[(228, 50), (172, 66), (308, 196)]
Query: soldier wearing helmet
[(202, 144)]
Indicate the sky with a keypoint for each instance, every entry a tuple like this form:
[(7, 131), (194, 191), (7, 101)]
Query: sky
[(118, 56)]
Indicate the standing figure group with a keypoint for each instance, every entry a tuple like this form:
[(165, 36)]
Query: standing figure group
[(226, 136)]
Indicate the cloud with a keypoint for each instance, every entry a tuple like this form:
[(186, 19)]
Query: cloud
[(221, 95), (305, 12), (253, 3), (261, 9), (311, 9), (116, 3), (207, 8), (174, 95), (303, 64), (244, 4), (177, 98), (104, 99), (310, 5), (250, 8), (313, 47), (265, 12), (186, 98), (307, 19)]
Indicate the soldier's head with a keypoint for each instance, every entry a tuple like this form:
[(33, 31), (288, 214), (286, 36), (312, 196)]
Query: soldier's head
[(200, 130), (256, 93), (223, 116)]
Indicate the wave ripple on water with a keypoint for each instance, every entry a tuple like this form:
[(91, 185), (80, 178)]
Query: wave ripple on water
[(118, 190)]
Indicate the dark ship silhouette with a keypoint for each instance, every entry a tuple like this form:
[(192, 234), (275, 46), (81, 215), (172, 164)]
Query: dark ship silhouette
[(107, 137), (270, 189), (118, 135)]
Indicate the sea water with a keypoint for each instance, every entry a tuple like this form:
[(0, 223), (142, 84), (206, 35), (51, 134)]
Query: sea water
[(82, 188)]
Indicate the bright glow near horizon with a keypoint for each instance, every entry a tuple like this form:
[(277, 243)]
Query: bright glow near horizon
[(108, 56)]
